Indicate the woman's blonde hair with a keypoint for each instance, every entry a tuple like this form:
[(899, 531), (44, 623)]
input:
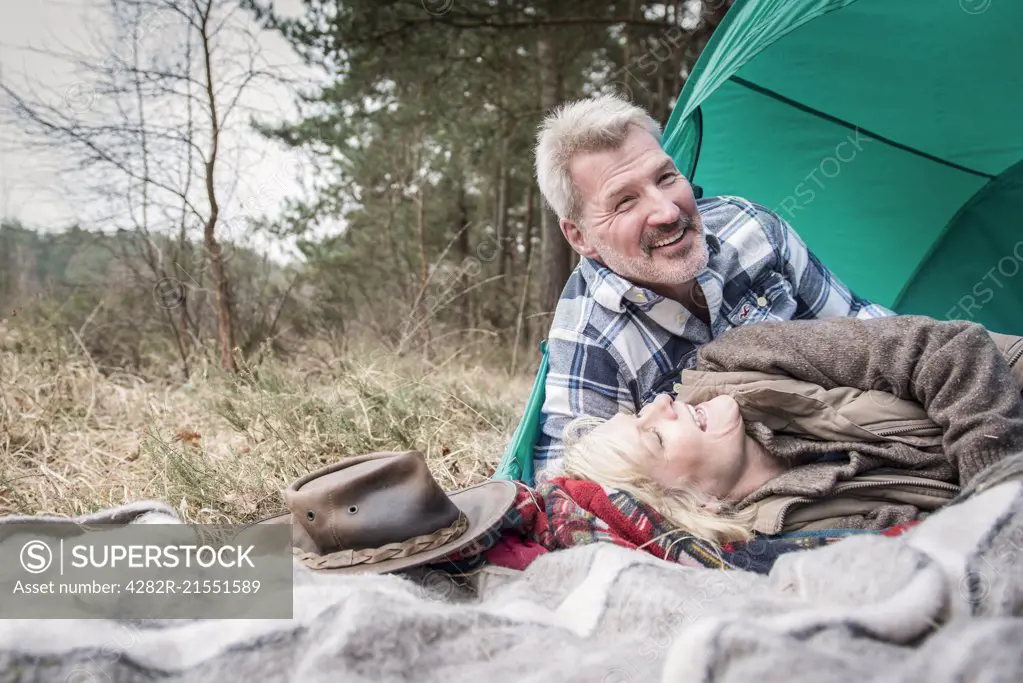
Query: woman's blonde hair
[(607, 457)]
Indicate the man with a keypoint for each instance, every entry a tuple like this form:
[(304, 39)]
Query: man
[(660, 272)]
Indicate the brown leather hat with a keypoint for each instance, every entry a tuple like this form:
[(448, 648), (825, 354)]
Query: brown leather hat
[(384, 512)]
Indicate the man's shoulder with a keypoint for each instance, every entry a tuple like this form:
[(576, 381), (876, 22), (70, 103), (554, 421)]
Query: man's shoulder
[(728, 205), (728, 217), (590, 312), (592, 290), (576, 307), (577, 285)]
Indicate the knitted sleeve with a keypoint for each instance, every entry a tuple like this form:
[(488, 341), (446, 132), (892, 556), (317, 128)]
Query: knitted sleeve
[(952, 368)]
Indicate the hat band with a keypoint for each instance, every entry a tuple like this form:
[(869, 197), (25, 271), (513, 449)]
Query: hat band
[(391, 551)]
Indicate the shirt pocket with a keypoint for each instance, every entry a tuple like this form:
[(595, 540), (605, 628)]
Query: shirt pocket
[(768, 298)]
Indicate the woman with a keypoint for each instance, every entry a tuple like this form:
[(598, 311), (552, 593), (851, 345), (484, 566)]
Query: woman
[(838, 423)]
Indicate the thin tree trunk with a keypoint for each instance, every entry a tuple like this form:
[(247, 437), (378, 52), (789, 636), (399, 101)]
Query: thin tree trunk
[(225, 329), (183, 244), (557, 254), (462, 246), (627, 50), (502, 222), (497, 313), (520, 320), (502, 210), (424, 272), (153, 258), (528, 247)]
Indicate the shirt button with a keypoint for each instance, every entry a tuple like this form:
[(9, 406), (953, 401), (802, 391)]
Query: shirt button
[(761, 301), (681, 318), (640, 296), (676, 387)]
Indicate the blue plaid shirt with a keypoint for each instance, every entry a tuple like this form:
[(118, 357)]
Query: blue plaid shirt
[(613, 346)]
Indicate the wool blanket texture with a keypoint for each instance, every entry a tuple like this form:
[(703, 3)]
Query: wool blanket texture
[(941, 602)]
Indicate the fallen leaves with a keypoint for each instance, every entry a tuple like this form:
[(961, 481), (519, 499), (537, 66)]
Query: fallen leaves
[(189, 437)]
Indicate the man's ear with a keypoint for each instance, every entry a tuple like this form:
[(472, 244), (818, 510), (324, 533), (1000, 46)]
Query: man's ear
[(574, 234)]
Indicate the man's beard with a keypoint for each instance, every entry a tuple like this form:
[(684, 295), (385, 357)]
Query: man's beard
[(656, 269)]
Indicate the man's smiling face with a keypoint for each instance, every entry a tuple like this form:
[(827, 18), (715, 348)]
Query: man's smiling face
[(637, 214)]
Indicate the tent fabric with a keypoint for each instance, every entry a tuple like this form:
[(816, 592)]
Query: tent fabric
[(517, 462), (889, 134)]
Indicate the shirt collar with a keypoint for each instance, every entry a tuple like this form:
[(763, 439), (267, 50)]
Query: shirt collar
[(712, 241), (609, 289)]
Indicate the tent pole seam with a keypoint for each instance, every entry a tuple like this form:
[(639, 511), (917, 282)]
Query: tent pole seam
[(967, 205), (846, 124)]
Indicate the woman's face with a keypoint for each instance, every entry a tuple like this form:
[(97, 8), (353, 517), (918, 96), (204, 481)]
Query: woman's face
[(702, 446)]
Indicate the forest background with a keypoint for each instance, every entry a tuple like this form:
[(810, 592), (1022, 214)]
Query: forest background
[(162, 345)]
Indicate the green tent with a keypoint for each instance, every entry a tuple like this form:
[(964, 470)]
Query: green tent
[(888, 133)]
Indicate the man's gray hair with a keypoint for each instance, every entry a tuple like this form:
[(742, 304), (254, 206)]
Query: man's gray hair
[(590, 125)]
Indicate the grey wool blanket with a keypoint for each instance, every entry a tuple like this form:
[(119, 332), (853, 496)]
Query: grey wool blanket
[(940, 603)]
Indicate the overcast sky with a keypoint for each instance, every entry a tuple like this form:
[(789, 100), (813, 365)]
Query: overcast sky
[(30, 188)]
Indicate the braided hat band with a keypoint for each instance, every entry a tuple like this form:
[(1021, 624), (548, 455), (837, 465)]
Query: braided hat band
[(390, 551)]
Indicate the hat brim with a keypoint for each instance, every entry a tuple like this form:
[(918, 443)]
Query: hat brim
[(484, 506)]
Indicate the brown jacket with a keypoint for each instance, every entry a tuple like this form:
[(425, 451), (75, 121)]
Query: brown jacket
[(919, 405)]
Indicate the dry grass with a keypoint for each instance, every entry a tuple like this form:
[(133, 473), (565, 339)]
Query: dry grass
[(221, 448)]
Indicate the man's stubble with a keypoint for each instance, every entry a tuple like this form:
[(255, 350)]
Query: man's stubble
[(655, 269)]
